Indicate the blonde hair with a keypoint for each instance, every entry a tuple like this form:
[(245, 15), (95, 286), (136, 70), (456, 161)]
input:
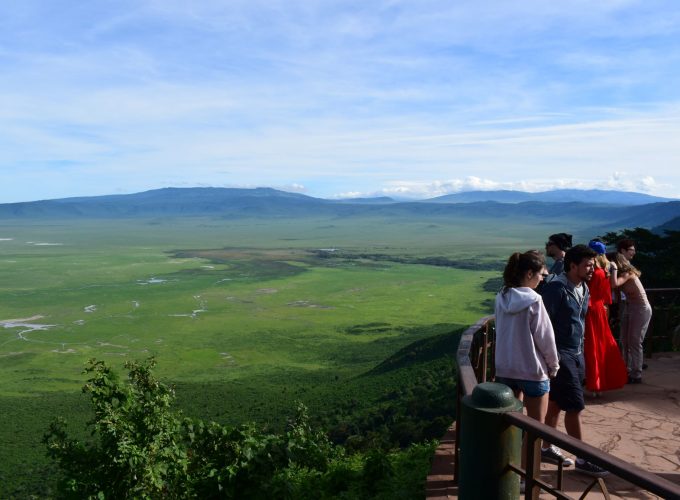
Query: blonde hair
[(602, 262), (625, 266)]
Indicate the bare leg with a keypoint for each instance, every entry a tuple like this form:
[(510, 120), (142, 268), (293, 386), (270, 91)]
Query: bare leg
[(536, 408), (553, 414), (572, 422)]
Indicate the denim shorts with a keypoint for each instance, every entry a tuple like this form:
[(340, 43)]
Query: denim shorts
[(530, 388)]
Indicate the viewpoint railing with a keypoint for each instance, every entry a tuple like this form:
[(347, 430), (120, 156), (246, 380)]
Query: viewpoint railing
[(475, 365), (665, 319)]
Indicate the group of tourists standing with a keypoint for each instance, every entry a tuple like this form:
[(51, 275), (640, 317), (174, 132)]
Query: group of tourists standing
[(553, 337)]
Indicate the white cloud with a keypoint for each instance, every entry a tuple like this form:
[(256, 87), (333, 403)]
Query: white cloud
[(420, 190), (338, 96)]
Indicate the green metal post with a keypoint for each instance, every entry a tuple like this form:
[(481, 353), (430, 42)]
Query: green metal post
[(488, 444)]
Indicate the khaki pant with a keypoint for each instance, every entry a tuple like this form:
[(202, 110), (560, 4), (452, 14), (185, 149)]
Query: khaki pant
[(634, 323)]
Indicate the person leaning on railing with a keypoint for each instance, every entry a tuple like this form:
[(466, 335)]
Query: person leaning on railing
[(636, 316), (525, 354)]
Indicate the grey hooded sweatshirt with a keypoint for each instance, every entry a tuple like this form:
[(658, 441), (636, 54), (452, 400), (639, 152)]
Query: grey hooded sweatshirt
[(525, 340)]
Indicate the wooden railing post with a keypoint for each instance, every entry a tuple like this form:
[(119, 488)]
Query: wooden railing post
[(456, 448), (533, 465)]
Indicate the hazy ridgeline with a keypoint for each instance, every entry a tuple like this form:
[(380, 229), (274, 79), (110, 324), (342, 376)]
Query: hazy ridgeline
[(246, 317)]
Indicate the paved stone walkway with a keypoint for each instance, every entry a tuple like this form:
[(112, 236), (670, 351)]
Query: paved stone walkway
[(639, 424)]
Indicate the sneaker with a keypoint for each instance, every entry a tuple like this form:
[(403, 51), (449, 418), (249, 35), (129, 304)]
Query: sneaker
[(554, 455), (634, 380), (591, 469)]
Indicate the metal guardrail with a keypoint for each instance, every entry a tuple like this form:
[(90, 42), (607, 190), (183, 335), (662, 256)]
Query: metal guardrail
[(475, 365), (665, 304)]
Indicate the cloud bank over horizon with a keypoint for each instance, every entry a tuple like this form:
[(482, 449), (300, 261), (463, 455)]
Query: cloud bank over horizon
[(410, 189), (338, 99)]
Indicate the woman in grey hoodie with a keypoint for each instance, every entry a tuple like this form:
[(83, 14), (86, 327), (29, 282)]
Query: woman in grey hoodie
[(526, 355)]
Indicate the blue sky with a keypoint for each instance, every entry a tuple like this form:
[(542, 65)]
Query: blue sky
[(338, 98)]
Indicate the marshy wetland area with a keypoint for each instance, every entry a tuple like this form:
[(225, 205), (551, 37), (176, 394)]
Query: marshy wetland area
[(245, 318)]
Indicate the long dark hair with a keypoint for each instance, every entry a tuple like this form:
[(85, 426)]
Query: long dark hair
[(519, 264)]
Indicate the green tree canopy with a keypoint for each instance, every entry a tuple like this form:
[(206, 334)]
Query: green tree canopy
[(657, 257)]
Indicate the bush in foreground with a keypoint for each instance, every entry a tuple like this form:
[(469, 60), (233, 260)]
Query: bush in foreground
[(142, 448)]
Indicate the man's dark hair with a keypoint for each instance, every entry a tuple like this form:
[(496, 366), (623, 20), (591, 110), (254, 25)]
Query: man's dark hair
[(561, 240), (624, 245), (576, 254)]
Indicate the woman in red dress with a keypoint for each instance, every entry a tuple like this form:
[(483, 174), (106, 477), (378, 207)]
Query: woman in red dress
[(605, 368)]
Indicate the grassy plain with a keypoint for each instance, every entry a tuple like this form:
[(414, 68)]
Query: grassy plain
[(240, 314)]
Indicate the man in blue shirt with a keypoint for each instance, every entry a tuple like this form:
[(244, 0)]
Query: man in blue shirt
[(566, 300)]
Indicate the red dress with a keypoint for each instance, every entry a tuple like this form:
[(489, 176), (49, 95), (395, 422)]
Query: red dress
[(605, 368)]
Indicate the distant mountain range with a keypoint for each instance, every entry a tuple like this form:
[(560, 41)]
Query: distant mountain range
[(597, 196), (601, 208)]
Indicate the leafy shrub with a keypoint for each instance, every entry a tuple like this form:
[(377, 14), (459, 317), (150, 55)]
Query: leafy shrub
[(136, 453), (141, 448)]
